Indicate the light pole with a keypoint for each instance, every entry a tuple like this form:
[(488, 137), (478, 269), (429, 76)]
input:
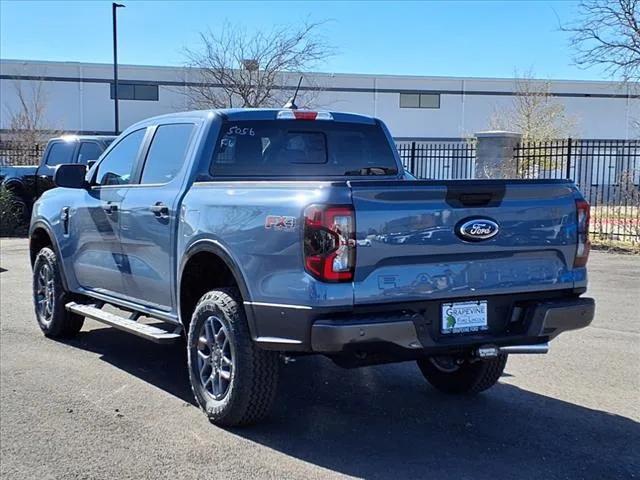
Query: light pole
[(114, 7)]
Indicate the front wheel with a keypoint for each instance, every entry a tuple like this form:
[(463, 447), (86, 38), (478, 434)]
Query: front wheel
[(50, 298), (233, 380), (449, 376)]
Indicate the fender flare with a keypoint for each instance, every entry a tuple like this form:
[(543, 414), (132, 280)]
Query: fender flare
[(54, 244), (212, 246), (15, 185)]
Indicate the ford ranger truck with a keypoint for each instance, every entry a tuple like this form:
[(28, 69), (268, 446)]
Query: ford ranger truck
[(262, 234)]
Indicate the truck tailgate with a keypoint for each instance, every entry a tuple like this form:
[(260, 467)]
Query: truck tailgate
[(409, 245)]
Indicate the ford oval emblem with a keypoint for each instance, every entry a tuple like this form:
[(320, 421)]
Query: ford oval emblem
[(477, 229)]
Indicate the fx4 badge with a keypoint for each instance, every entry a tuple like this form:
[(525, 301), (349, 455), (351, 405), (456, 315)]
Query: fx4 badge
[(280, 223)]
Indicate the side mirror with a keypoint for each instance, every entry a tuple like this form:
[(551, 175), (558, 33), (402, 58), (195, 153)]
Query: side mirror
[(90, 163), (70, 175)]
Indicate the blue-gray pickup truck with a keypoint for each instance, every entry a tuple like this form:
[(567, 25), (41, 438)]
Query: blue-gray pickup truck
[(260, 235)]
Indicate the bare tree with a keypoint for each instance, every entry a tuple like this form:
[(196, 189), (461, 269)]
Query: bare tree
[(537, 115), (27, 126), (27, 114), (534, 112), (235, 69), (607, 34)]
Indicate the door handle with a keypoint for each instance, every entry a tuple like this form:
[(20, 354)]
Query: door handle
[(160, 210), (109, 208)]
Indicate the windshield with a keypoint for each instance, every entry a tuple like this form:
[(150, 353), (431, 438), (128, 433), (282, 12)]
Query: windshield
[(302, 148)]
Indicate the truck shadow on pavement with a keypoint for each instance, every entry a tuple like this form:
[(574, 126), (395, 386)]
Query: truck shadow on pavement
[(383, 422)]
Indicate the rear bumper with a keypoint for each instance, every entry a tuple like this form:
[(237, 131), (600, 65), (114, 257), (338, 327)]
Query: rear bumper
[(414, 328), (544, 320)]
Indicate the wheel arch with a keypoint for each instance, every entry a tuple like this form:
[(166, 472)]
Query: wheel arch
[(229, 275), (15, 185), (41, 236)]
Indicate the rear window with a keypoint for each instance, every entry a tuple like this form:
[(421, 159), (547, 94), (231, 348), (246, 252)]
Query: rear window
[(302, 148), (89, 151)]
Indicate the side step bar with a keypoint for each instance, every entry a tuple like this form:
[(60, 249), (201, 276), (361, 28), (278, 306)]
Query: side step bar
[(130, 325)]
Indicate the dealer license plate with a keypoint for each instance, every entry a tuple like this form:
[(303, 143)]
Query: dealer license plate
[(464, 317)]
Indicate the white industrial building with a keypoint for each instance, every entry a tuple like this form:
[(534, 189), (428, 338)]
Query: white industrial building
[(79, 99)]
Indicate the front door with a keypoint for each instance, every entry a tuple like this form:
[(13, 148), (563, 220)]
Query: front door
[(149, 217), (98, 262)]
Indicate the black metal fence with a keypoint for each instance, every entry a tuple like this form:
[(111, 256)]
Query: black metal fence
[(607, 172), (439, 160), (16, 153)]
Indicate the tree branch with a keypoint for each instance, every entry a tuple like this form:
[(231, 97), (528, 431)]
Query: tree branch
[(241, 69)]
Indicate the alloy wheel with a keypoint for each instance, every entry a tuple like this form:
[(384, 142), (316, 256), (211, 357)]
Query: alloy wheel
[(45, 292), (215, 357)]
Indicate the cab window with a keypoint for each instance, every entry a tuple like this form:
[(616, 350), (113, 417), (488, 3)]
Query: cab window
[(60, 152), (89, 151), (117, 166), (167, 153), (299, 148)]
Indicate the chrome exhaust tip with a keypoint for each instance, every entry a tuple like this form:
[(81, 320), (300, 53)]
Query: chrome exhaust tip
[(538, 348)]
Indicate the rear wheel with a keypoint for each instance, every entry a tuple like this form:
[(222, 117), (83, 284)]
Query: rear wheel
[(450, 376), (50, 298), (19, 210), (233, 380)]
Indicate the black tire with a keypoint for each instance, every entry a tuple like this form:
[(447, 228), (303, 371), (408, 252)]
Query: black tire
[(20, 210), (468, 377), (14, 214), (50, 298), (248, 393)]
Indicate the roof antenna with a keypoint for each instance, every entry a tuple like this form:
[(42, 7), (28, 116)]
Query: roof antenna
[(292, 101)]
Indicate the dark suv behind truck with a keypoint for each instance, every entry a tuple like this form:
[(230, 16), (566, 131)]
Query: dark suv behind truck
[(28, 182)]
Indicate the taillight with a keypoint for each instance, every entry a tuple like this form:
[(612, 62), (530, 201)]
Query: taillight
[(584, 245), (303, 115), (329, 242)]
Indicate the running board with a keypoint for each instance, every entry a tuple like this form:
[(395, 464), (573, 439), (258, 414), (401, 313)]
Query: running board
[(150, 332)]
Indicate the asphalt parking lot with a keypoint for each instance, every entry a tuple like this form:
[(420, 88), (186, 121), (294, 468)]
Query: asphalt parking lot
[(110, 405)]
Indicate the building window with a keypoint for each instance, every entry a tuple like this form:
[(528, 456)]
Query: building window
[(419, 100), (135, 91)]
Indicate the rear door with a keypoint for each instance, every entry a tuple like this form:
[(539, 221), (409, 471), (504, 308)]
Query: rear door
[(410, 244), (149, 216)]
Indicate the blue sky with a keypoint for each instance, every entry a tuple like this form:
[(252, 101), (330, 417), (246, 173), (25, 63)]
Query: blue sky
[(480, 39)]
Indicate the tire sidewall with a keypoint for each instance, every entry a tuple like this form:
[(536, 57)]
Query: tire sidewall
[(469, 377), (214, 408), (46, 256)]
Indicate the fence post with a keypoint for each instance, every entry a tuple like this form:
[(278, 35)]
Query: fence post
[(495, 154), (412, 160), (569, 145)]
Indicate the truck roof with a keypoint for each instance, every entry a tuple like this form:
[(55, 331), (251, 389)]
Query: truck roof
[(256, 114), (77, 138)]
